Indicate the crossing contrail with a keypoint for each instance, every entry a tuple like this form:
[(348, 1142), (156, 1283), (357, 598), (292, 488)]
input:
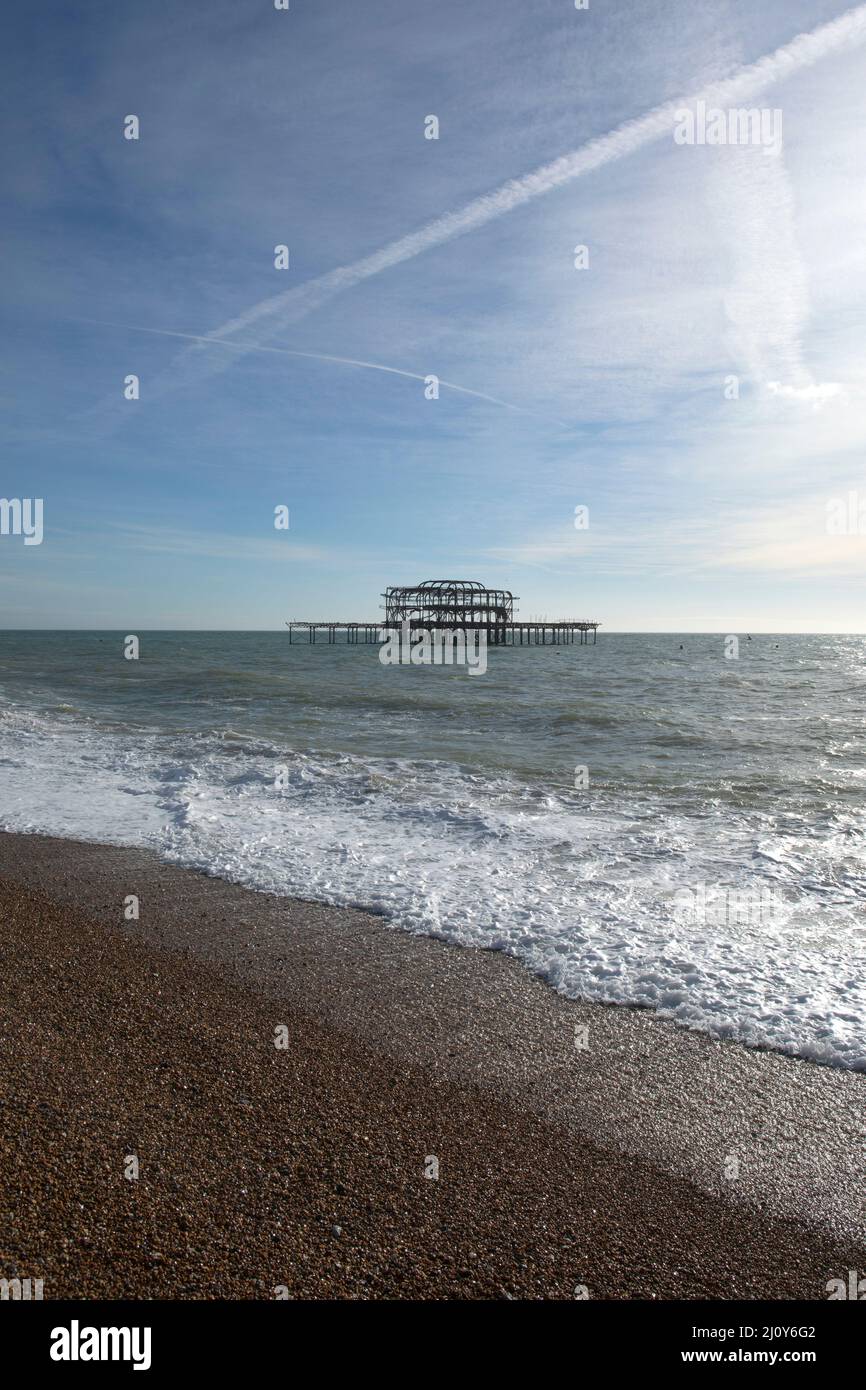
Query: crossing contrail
[(270, 316), (275, 312), (243, 347)]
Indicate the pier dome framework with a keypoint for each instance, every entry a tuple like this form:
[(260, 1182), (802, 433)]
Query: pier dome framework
[(449, 604)]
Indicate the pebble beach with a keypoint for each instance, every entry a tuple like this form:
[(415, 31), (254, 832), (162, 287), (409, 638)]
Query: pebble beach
[(434, 1125)]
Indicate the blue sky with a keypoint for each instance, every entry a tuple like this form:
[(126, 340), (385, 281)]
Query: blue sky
[(601, 387)]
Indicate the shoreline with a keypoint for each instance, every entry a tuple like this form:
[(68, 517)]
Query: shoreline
[(560, 1165)]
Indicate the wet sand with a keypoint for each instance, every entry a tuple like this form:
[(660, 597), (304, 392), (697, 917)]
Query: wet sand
[(562, 1167)]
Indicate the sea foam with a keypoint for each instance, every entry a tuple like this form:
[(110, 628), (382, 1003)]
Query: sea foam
[(579, 887)]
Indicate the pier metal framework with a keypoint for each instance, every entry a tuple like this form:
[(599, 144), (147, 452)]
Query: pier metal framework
[(449, 605)]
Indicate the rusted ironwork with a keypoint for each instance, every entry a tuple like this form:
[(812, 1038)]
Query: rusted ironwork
[(449, 605)]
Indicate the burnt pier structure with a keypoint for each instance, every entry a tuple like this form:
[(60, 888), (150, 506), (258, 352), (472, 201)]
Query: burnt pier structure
[(447, 605)]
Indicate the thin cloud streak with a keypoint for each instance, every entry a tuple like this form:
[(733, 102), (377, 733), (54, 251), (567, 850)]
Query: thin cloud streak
[(249, 549), (244, 348), (791, 541)]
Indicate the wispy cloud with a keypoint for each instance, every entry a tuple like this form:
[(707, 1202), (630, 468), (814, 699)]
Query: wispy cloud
[(787, 538), (767, 303), (159, 540), (233, 345), (791, 539), (704, 262), (277, 311)]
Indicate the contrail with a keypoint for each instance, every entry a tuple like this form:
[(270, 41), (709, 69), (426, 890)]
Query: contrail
[(793, 57), (244, 347), (277, 311)]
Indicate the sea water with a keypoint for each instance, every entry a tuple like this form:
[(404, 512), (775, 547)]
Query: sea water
[(647, 821)]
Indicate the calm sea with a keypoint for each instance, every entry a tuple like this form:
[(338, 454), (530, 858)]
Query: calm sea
[(641, 821)]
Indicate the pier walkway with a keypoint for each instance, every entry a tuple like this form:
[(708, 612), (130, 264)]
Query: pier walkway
[(549, 632)]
